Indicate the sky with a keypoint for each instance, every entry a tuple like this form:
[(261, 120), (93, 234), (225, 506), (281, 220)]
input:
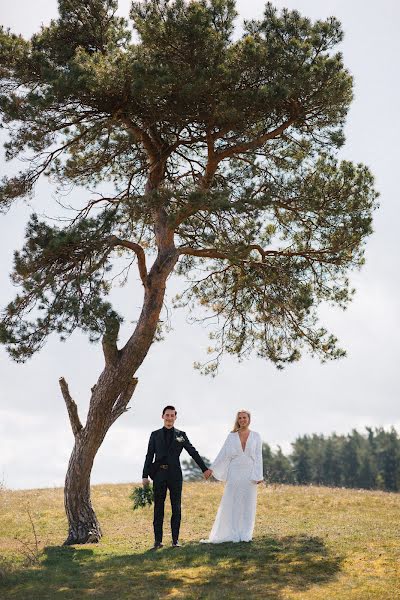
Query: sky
[(360, 390)]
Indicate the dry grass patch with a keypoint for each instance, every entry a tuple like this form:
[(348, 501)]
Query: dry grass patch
[(310, 543)]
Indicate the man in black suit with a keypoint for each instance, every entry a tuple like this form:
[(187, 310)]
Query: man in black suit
[(166, 444)]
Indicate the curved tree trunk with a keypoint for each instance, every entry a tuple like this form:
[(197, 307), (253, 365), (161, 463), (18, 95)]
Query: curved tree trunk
[(110, 397)]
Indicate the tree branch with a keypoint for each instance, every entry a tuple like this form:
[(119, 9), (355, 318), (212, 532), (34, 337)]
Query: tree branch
[(156, 150), (205, 252), (109, 342), (215, 253), (205, 181), (72, 408), (123, 400), (215, 157), (138, 250), (239, 148), (212, 163), (139, 134)]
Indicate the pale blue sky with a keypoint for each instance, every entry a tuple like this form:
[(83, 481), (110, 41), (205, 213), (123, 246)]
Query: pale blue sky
[(363, 389)]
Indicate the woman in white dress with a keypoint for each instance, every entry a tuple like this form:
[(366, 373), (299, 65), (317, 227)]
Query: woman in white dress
[(240, 464)]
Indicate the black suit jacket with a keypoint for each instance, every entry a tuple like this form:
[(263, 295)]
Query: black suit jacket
[(169, 456)]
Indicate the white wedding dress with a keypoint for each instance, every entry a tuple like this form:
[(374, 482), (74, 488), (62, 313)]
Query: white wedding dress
[(241, 469)]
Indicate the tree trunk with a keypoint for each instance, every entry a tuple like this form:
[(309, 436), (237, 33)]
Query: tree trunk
[(83, 526), (110, 397)]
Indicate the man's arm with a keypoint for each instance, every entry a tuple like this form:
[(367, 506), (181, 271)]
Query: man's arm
[(149, 459), (191, 450)]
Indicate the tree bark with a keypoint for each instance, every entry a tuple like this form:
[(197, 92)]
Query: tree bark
[(83, 526), (111, 395)]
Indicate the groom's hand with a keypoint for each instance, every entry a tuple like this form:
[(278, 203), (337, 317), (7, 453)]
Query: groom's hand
[(207, 474), (145, 481)]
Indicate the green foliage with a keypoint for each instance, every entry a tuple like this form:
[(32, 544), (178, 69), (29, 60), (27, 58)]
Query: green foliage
[(233, 142), (90, 25), (142, 496), (61, 273)]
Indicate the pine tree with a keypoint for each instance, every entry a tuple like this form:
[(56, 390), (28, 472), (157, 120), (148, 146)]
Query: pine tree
[(221, 155), (317, 444), (302, 461), (351, 459), (332, 467), (282, 468), (389, 460), (277, 467)]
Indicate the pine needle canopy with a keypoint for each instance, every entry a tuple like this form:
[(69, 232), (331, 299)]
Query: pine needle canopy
[(227, 142)]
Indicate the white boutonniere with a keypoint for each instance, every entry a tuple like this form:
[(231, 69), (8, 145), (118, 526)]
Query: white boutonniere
[(180, 438)]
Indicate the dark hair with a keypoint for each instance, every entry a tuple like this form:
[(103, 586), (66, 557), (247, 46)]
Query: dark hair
[(169, 407)]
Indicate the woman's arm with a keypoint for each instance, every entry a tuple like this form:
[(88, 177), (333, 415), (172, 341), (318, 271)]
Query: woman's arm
[(220, 465), (258, 474)]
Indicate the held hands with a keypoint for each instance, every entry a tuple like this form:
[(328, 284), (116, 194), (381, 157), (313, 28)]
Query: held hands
[(207, 474), (145, 482)]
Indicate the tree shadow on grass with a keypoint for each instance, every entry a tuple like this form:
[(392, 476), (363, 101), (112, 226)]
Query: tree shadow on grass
[(264, 569)]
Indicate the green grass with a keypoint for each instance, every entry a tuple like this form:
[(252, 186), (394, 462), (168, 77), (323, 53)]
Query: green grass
[(310, 543)]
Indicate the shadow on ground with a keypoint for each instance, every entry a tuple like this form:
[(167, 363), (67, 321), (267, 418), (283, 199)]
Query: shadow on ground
[(262, 569)]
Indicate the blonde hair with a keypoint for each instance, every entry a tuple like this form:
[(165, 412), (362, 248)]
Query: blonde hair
[(236, 426)]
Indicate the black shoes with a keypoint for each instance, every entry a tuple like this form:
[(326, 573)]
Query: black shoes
[(157, 546)]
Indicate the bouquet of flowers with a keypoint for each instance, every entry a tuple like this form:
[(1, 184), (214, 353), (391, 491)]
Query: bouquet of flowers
[(142, 496)]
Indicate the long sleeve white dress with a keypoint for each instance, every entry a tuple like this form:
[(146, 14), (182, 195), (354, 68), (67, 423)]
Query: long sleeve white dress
[(241, 469)]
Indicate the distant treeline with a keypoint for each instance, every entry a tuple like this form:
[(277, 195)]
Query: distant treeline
[(369, 460)]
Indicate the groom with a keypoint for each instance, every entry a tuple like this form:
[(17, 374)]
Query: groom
[(167, 444)]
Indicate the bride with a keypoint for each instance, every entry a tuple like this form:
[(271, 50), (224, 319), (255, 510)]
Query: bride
[(239, 463)]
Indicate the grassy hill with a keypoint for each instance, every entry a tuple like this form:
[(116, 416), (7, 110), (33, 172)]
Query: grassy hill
[(310, 543)]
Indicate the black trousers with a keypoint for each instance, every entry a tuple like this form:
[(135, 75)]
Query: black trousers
[(160, 493)]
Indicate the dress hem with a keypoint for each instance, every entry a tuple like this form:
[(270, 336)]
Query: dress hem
[(224, 541)]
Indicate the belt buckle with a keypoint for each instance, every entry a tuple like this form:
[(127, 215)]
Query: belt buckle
[(163, 466)]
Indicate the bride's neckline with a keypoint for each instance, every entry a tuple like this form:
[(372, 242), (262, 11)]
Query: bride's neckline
[(240, 441)]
